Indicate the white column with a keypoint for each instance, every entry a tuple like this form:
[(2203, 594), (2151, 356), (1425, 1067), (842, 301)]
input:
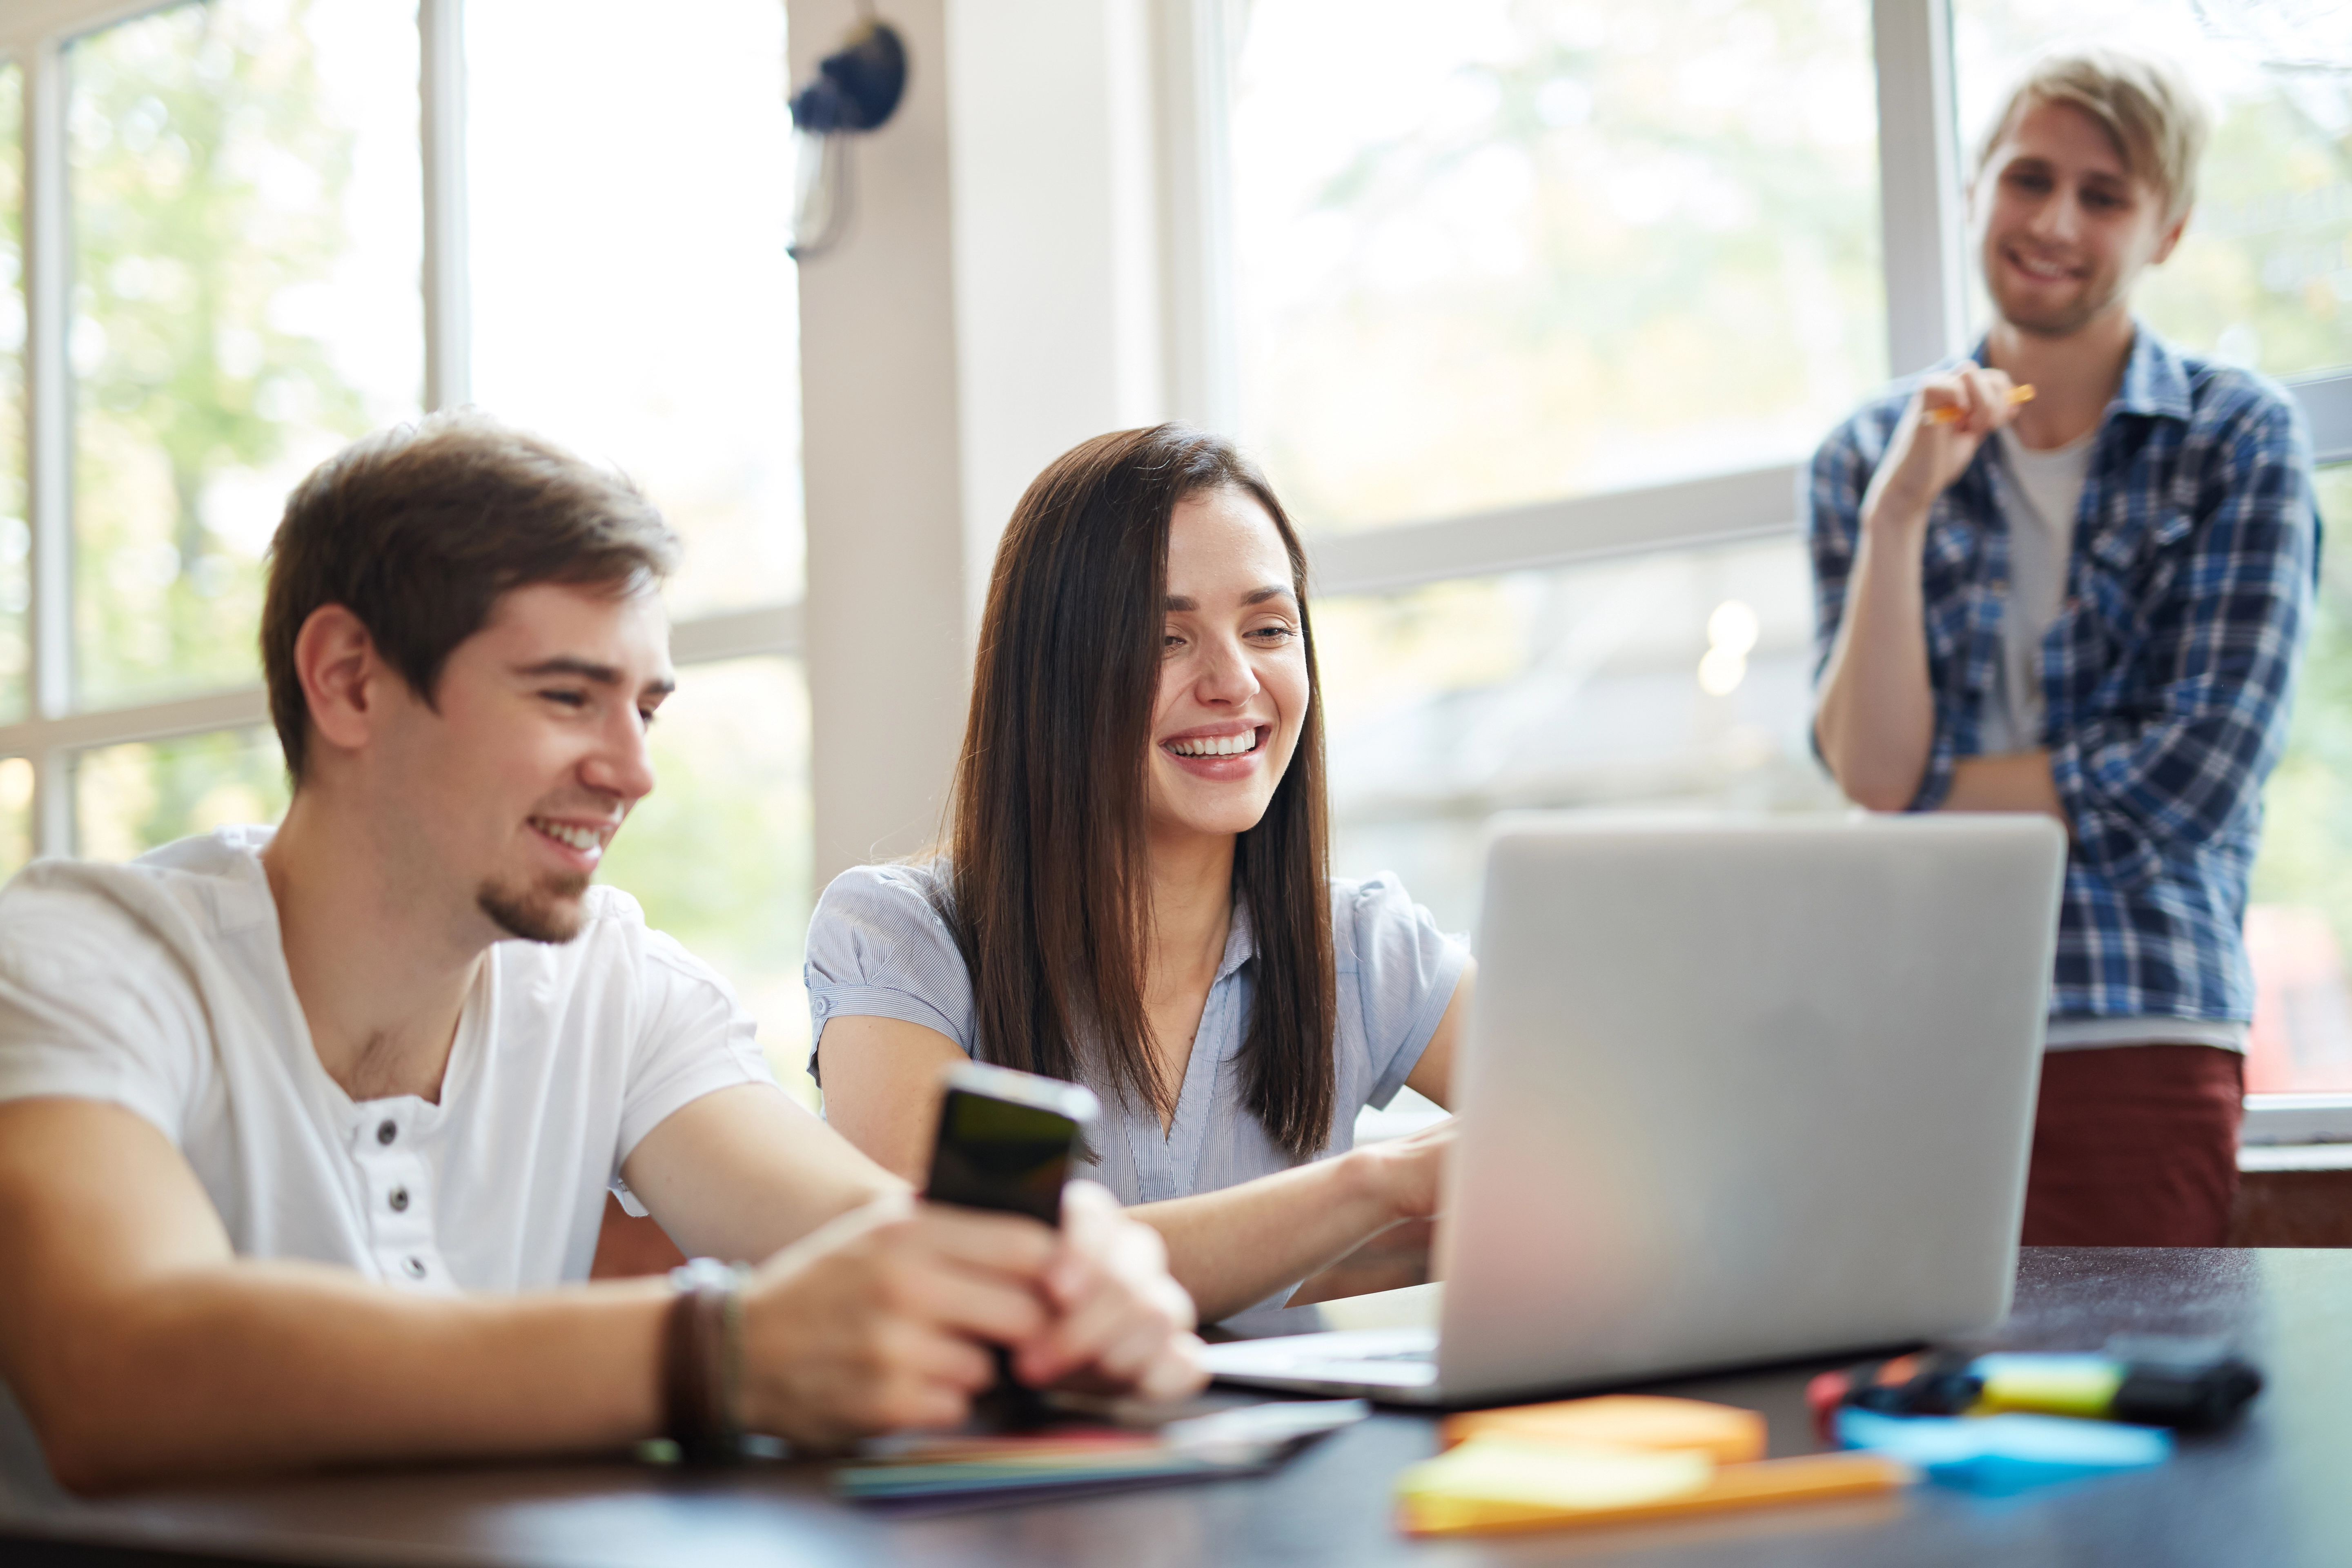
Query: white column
[(995, 301), (883, 621)]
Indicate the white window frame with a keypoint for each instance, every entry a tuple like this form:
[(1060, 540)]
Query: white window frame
[(1923, 231), (55, 729)]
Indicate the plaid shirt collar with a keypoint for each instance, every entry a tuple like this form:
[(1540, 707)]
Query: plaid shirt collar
[(2155, 384)]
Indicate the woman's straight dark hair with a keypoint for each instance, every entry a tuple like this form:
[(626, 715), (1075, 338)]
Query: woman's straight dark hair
[(1049, 823)]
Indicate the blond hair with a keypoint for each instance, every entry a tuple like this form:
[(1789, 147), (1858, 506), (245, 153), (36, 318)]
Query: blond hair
[(2148, 106)]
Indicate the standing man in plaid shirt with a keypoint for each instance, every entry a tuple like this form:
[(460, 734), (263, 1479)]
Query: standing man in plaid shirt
[(2091, 604)]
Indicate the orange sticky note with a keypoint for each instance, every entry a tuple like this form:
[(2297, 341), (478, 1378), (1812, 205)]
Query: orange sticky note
[(1432, 1499), (1724, 1433)]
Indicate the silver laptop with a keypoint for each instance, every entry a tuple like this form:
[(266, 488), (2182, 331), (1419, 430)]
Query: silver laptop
[(1732, 1092)]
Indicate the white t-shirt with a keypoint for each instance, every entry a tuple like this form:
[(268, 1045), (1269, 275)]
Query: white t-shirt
[(162, 986)]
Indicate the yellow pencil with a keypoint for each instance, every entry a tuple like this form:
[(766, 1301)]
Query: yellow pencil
[(1952, 415)]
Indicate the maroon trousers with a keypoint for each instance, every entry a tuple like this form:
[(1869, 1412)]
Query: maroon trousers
[(2135, 1146)]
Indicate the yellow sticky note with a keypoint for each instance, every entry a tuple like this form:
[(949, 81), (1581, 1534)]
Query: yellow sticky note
[(1551, 1476)]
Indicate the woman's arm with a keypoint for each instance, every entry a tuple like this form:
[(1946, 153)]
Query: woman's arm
[(1432, 1076), (1229, 1247)]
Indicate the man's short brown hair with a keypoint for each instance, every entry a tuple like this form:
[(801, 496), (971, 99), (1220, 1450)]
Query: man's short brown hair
[(418, 530), (2148, 106)]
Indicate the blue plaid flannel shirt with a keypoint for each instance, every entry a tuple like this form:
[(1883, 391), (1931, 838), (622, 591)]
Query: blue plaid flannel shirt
[(2167, 676)]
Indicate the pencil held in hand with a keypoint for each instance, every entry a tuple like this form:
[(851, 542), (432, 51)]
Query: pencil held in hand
[(1952, 415)]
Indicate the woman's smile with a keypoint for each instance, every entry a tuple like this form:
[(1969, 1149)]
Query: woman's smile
[(1219, 753)]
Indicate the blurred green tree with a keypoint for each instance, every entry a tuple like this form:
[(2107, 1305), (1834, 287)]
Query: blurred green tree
[(207, 184)]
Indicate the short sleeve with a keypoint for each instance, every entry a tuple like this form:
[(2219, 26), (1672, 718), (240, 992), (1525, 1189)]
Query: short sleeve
[(93, 1006), (695, 1039), (879, 947), (1404, 969)]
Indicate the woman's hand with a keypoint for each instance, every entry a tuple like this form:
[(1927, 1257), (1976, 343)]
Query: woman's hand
[(1404, 1173), (1121, 1324), (1928, 453)]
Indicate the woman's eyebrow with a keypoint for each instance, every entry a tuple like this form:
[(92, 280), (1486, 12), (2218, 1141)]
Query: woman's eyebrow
[(1182, 602)]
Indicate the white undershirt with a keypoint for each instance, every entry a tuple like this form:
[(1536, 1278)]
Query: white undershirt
[(2045, 488)]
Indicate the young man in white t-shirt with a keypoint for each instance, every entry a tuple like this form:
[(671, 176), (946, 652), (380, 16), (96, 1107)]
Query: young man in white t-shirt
[(2091, 604), (304, 1137)]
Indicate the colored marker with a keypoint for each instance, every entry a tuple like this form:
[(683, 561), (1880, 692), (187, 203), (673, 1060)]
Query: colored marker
[(2189, 1392), (1952, 415)]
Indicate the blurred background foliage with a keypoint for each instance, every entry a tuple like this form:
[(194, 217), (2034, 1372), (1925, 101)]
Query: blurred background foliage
[(207, 186), (1493, 253)]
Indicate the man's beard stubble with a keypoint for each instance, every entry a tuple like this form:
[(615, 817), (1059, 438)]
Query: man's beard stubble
[(547, 910)]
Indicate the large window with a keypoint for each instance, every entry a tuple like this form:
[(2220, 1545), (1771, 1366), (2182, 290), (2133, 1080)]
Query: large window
[(1491, 254), (240, 276), (1669, 678), (245, 220), (1509, 275), (630, 292)]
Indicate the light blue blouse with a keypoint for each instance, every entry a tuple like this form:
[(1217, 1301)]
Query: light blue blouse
[(878, 948)]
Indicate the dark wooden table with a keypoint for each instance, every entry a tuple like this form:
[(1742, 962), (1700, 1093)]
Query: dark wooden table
[(2274, 1491)]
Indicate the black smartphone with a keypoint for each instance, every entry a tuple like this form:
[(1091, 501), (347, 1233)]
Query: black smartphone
[(1005, 1140)]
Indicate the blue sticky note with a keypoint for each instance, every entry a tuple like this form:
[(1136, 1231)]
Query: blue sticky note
[(1999, 1455)]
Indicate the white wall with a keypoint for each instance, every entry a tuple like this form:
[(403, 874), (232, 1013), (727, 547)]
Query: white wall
[(883, 623), (996, 300)]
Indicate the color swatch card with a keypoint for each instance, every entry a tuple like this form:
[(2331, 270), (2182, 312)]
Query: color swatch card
[(1020, 1466)]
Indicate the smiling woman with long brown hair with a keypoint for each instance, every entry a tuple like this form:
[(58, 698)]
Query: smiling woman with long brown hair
[(1134, 892)]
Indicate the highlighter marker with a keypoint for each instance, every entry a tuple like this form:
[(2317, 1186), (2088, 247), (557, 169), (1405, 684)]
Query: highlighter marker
[(2189, 1392), (1948, 416)]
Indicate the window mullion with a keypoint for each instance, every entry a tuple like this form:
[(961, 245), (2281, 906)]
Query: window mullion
[(448, 326), (48, 432), (1201, 331), (1921, 223)]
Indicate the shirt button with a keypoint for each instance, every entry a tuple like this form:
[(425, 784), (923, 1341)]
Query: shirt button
[(400, 1200), (385, 1131), (414, 1268)]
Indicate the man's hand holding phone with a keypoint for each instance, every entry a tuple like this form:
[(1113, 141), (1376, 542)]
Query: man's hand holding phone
[(893, 1315)]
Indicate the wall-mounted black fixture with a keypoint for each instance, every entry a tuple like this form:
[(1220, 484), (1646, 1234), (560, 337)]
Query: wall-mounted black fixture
[(856, 89)]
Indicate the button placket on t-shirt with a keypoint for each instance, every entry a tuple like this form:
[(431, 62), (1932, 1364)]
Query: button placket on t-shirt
[(397, 1192)]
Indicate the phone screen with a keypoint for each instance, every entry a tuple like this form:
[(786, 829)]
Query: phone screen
[(993, 1154), (1005, 1142)]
